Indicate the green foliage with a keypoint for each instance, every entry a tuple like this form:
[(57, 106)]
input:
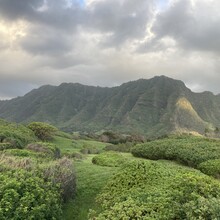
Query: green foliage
[(14, 135), (24, 196), (33, 185), (42, 130), (188, 150), (211, 167), (160, 191), (109, 159)]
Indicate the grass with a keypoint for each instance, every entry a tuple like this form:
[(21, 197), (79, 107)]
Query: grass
[(90, 180), (68, 145)]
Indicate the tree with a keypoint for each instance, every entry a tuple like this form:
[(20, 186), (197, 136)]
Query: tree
[(42, 130)]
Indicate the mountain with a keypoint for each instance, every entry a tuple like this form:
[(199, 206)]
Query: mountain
[(152, 107)]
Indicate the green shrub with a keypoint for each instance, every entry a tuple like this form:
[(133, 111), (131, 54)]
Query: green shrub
[(110, 159), (17, 136), (188, 150), (24, 196), (196, 197), (211, 168), (42, 130), (153, 190)]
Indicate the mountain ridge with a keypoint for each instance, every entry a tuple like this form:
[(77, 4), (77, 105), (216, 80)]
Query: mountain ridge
[(145, 106)]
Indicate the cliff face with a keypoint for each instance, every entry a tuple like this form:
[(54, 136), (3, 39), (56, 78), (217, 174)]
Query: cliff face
[(152, 107)]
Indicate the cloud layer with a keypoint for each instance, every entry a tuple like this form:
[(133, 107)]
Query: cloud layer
[(107, 42)]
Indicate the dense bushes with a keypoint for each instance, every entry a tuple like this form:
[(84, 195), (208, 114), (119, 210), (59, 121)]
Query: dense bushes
[(53, 181), (59, 172), (14, 135), (25, 196), (34, 181), (211, 168), (186, 149), (162, 191), (110, 159), (42, 130)]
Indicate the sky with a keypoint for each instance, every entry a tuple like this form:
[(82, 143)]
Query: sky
[(108, 42)]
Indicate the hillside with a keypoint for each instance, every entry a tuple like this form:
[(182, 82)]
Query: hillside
[(152, 107)]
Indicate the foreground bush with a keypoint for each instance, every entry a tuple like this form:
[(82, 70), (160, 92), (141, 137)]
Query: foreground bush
[(24, 196), (152, 190), (109, 159)]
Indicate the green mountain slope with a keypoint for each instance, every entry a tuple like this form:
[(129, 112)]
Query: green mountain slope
[(153, 107)]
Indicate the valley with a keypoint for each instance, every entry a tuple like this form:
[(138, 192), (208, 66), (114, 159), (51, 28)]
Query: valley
[(174, 177)]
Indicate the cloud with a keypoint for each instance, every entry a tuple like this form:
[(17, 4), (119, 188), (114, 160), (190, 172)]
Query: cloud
[(193, 25), (45, 41), (121, 20), (108, 42)]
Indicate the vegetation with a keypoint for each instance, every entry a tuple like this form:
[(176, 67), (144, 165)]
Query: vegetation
[(91, 179), (211, 167), (154, 190), (61, 173), (67, 178), (14, 136), (34, 181), (48, 149), (188, 150), (109, 159), (42, 130), (26, 196)]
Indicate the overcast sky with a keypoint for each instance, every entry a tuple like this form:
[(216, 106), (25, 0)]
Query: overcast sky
[(108, 42)]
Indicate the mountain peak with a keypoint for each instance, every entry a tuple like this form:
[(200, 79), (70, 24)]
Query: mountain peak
[(148, 106)]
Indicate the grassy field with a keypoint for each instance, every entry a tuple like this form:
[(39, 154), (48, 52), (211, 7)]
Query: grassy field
[(90, 180), (68, 145)]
